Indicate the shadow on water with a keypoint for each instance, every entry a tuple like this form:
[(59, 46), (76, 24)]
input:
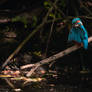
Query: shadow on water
[(60, 88), (83, 84)]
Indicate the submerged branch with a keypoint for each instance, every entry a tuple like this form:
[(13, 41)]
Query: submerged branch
[(9, 83), (12, 86)]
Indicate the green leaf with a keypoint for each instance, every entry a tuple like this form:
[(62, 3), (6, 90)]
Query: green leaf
[(34, 21), (21, 19), (58, 15), (47, 4), (52, 15), (37, 53), (15, 19), (25, 25), (24, 20)]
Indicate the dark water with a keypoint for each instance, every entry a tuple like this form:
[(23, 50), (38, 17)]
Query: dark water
[(60, 88), (83, 85), (57, 88)]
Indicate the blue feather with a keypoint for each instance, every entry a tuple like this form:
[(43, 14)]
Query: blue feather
[(78, 34)]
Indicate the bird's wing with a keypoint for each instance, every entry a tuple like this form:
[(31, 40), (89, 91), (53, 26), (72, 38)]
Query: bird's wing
[(83, 33), (84, 37), (74, 35)]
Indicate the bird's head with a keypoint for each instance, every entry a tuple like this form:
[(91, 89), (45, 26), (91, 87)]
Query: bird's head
[(76, 22)]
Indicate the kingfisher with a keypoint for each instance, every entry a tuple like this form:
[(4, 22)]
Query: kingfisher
[(78, 33)]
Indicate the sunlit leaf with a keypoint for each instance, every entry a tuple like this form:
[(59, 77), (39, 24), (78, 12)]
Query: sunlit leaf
[(37, 53), (15, 19), (47, 4), (34, 21), (21, 19), (51, 15)]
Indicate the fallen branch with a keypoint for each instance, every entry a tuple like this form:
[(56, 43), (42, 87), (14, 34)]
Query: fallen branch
[(4, 20), (29, 36), (27, 66), (54, 57), (10, 84)]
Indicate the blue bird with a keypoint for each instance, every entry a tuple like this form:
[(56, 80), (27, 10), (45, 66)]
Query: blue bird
[(78, 33)]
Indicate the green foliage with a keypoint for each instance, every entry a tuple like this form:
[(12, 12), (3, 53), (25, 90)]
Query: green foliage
[(52, 15), (59, 15), (34, 21), (15, 19), (37, 53), (47, 4), (24, 20), (55, 13), (21, 19), (7, 28)]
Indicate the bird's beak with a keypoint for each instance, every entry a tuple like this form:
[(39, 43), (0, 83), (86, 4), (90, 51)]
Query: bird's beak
[(76, 25)]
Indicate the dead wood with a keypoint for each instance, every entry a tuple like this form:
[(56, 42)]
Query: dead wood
[(54, 57), (28, 37)]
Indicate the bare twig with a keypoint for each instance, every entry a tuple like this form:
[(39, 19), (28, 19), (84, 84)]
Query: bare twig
[(57, 8), (48, 41), (54, 57), (60, 10), (26, 66), (10, 84), (32, 70), (5, 20), (86, 9)]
